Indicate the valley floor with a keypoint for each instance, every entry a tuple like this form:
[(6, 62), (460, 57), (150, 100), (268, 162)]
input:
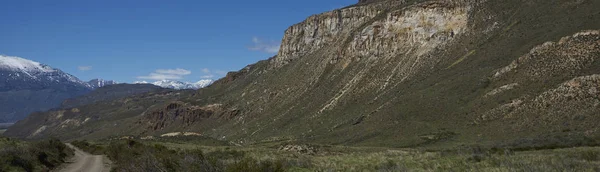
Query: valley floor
[(173, 156)]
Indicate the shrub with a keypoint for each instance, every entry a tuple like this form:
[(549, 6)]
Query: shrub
[(252, 165), (33, 156)]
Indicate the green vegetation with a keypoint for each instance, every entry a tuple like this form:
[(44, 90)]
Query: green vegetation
[(91, 148), (44, 155), (130, 155)]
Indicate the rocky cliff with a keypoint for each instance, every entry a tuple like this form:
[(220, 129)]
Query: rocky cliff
[(393, 73)]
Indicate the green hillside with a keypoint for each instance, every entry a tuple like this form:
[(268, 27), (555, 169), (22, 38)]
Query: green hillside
[(416, 73)]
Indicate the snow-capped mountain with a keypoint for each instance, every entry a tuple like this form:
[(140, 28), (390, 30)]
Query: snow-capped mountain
[(97, 83), (27, 86), (20, 73), (179, 85)]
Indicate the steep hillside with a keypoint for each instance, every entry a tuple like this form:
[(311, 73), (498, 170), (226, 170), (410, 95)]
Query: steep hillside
[(388, 73)]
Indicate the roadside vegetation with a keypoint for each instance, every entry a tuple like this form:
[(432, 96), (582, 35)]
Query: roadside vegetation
[(137, 155), (16, 155), (131, 155)]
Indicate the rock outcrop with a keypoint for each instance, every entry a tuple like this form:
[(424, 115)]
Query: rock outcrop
[(183, 114)]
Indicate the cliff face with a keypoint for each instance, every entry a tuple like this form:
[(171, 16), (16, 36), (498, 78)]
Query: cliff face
[(397, 73), (376, 31), (321, 30)]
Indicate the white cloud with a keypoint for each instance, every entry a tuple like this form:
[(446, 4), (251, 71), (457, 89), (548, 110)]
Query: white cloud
[(207, 76), (167, 74), (259, 45), (178, 74), (177, 71), (157, 76), (84, 68)]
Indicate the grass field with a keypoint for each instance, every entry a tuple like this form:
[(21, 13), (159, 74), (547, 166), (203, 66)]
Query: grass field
[(325, 158), (307, 157)]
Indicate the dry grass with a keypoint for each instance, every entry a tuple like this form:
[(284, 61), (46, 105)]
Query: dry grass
[(339, 158)]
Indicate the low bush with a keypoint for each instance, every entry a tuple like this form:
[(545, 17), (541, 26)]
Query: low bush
[(131, 155), (32, 156), (88, 147), (252, 165)]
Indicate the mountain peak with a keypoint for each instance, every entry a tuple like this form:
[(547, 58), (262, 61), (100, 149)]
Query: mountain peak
[(21, 64), (32, 86), (97, 83), (16, 71), (179, 85)]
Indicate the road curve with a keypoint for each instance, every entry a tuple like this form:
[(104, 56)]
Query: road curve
[(85, 162)]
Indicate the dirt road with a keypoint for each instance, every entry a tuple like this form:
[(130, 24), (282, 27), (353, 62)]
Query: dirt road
[(85, 162)]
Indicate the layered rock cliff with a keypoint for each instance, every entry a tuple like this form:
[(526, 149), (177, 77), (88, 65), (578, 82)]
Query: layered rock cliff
[(376, 30)]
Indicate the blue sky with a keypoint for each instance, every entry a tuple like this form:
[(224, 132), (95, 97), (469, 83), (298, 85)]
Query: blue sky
[(127, 40)]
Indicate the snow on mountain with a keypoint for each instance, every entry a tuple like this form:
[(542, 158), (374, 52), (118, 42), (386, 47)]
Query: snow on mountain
[(27, 86), (141, 82), (178, 84), (204, 83), (21, 64), (97, 83), (20, 73)]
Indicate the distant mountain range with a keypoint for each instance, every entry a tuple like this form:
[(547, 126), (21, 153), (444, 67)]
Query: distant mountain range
[(179, 85), (97, 83), (27, 86)]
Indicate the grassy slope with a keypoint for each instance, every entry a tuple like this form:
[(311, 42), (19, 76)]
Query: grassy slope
[(444, 98), (284, 104)]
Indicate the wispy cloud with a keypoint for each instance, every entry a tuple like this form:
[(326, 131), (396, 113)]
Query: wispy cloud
[(167, 74), (158, 76), (206, 70), (271, 47), (84, 68), (207, 76), (177, 71)]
